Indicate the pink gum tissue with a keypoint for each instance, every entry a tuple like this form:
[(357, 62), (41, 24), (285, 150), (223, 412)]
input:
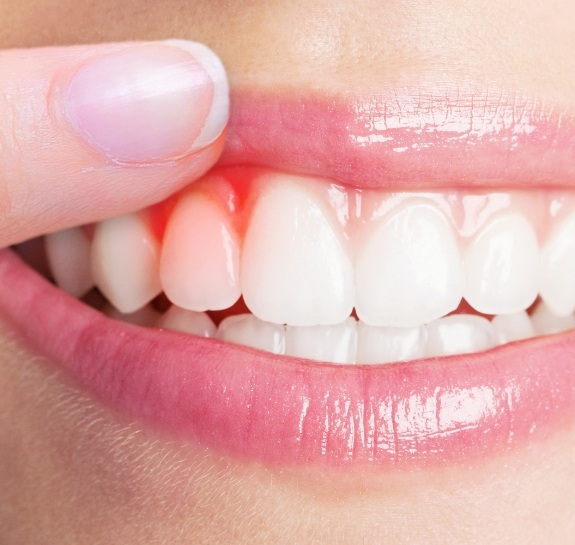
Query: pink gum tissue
[(357, 211)]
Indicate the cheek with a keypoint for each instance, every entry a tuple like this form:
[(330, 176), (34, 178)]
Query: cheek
[(71, 470)]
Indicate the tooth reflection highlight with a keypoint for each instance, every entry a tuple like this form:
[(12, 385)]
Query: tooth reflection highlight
[(294, 268), (459, 334), (410, 270), (248, 330), (333, 343), (547, 323), (388, 344), (200, 256), (512, 327), (125, 262), (502, 266), (187, 321)]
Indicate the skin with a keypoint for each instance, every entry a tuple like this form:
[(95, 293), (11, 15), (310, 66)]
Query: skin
[(73, 472)]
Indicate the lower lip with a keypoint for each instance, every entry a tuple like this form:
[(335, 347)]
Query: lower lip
[(283, 411)]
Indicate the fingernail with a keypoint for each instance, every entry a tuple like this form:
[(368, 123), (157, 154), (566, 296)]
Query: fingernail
[(150, 102)]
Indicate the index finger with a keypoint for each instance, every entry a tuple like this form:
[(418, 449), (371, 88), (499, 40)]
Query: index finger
[(89, 132)]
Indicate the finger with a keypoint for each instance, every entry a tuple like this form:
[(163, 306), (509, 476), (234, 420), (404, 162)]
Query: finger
[(90, 132)]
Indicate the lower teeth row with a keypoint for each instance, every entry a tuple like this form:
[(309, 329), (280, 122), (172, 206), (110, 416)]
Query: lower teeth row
[(355, 342)]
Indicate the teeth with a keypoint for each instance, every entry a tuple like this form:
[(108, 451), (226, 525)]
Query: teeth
[(294, 268), (502, 266), (547, 323), (68, 253), (188, 321), (557, 287), (459, 334), (294, 265), (388, 344), (246, 329), (512, 327), (334, 343), (200, 256), (125, 261), (410, 271)]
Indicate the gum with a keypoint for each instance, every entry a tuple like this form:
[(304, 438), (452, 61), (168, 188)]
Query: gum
[(359, 211)]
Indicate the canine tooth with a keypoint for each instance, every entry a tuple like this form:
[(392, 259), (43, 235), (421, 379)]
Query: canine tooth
[(512, 327), (388, 344), (145, 316), (188, 321), (125, 262), (199, 267), (410, 270), (459, 334), (557, 286), (68, 253), (334, 343), (502, 266), (294, 267), (248, 330), (546, 322)]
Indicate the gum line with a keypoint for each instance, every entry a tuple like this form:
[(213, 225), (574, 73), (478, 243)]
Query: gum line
[(236, 190)]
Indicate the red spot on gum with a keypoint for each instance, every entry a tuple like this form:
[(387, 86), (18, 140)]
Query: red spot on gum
[(229, 187)]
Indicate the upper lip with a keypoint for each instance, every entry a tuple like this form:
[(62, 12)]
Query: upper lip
[(409, 138)]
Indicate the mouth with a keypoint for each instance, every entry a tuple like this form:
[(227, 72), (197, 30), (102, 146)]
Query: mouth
[(385, 281)]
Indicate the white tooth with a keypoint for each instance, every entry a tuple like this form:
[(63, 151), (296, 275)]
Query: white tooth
[(248, 330), (125, 262), (512, 327), (145, 316), (68, 253), (459, 334), (502, 266), (388, 344), (294, 267), (199, 267), (547, 323), (557, 287), (410, 271), (188, 321), (334, 343)]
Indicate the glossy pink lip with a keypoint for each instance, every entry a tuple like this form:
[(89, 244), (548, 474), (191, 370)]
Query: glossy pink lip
[(256, 406), (409, 138)]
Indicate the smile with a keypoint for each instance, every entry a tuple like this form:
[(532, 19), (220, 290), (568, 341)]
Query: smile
[(358, 282)]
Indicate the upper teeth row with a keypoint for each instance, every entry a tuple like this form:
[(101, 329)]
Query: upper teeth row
[(298, 262)]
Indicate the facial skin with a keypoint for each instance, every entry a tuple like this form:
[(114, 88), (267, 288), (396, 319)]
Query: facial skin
[(74, 472)]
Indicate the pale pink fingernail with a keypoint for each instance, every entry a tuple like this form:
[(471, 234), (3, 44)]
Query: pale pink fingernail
[(151, 101)]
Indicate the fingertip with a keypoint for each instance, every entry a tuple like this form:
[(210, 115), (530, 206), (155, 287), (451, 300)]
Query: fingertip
[(150, 102)]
